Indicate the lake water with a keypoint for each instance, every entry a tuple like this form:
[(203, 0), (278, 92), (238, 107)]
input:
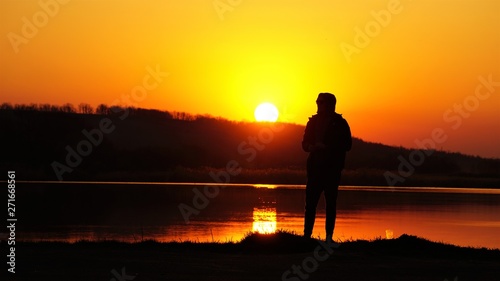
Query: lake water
[(61, 211)]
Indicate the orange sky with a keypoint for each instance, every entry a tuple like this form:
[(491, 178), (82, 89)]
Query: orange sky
[(408, 73)]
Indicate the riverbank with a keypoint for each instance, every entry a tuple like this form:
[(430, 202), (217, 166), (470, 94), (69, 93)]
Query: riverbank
[(280, 256), (357, 177), (284, 176)]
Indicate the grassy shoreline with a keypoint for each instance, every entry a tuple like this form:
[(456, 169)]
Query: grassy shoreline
[(279, 256)]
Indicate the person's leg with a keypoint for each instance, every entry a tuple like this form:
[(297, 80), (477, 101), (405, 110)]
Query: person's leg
[(331, 192), (313, 193)]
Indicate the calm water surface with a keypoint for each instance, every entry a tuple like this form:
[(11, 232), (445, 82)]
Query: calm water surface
[(53, 211)]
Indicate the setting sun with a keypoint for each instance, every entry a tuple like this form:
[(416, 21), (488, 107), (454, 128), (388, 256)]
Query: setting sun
[(266, 112)]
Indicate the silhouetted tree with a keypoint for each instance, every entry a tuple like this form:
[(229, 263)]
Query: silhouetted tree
[(6, 106), (20, 107), (55, 108), (199, 117), (32, 107), (182, 116), (85, 108), (68, 108), (45, 107), (102, 109)]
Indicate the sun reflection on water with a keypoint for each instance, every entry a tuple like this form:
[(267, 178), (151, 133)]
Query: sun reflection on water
[(264, 220), (268, 186)]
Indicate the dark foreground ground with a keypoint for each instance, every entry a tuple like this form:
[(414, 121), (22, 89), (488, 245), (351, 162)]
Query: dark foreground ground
[(280, 256)]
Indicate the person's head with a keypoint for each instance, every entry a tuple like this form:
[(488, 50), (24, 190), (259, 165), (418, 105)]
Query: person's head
[(326, 102)]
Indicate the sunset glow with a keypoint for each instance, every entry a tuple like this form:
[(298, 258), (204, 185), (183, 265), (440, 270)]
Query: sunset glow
[(399, 69)]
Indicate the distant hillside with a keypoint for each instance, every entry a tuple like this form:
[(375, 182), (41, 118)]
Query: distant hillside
[(51, 143)]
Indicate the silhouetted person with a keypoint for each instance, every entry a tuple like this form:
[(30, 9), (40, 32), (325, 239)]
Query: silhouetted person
[(327, 138)]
